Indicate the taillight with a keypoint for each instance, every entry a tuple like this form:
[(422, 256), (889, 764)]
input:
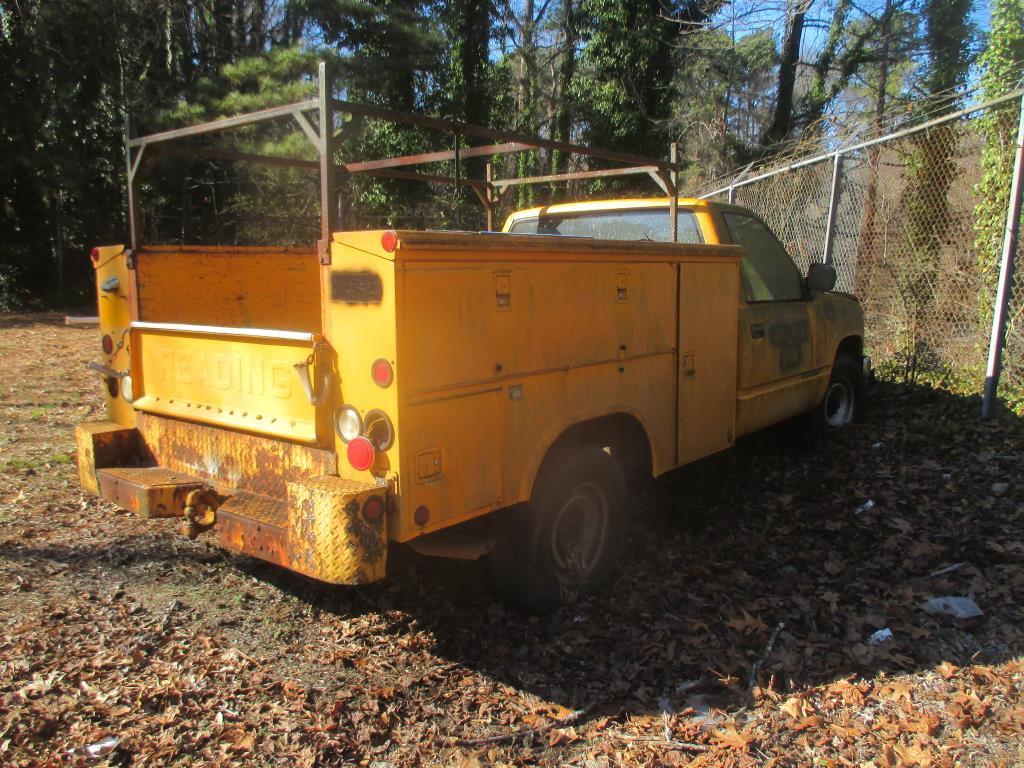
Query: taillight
[(348, 423), (373, 509), (108, 344), (379, 429), (127, 390), (361, 454), (382, 373), (389, 240), (421, 515), (94, 254)]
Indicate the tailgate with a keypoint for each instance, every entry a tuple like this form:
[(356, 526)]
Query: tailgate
[(239, 378)]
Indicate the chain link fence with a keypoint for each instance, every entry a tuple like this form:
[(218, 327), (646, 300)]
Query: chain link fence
[(911, 236)]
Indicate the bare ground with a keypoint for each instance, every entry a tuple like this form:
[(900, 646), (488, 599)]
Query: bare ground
[(736, 633)]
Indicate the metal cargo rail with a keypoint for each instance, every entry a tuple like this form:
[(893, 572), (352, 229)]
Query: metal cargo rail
[(325, 138)]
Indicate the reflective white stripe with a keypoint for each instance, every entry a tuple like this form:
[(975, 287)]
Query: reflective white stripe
[(216, 330)]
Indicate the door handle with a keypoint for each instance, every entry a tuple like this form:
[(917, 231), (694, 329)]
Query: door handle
[(757, 331)]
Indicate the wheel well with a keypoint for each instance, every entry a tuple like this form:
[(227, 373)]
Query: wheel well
[(851, 346), (621, 434)]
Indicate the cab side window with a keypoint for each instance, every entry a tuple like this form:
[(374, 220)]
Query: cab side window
[(768, 272)]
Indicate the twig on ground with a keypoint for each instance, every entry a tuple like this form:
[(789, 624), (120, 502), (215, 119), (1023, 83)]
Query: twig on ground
[(690, 745), (571, 719), (947, 569), (767, 652)]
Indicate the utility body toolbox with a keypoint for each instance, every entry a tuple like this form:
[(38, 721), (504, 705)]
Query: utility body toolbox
[(308, 413)]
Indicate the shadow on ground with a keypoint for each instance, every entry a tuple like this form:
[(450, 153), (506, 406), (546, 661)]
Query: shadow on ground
[(774, 539), (830, 542)]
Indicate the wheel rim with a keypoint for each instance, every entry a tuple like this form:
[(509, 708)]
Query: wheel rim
[(839, 403), (579, 531)]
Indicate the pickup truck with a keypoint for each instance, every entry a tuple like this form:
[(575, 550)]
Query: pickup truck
[(467, 394)]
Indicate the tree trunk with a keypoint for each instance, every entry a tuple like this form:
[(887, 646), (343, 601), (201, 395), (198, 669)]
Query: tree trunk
[(866, 249), (782, 121)]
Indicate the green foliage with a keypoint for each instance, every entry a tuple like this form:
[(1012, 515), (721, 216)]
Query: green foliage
[(723, 99), (627, 75), (1002, 65), (627, 60)]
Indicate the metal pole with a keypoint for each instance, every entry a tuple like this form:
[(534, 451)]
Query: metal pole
[(328, 183), (673, 206), (833, 206), (732, 194), (489, 196), (458, 170), (1005, 288), (133, 214)]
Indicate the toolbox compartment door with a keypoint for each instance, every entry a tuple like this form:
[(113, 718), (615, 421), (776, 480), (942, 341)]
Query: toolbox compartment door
[(237, 378), (708, 316)]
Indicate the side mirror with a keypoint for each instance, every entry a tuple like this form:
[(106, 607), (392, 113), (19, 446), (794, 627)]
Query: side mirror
[(821, 278)]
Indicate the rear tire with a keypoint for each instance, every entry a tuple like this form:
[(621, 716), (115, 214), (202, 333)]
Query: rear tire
[(563, 545)]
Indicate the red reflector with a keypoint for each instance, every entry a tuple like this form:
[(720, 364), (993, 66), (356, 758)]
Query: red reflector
[(421, 515), (381, 373), (108, 344), (373, 509), (389, 241), (94, 254), (361, 453)]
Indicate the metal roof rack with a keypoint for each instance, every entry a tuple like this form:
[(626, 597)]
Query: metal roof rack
[(325, 140)]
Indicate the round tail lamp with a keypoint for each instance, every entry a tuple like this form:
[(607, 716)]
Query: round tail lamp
[(373, 509), (127, 390), (94, 255), (389, 240), (348, 423), (108, 344), (382, 373), (379, 429), (361, 453)]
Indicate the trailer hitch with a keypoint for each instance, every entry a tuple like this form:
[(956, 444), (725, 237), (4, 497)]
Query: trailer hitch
[(200, 512)]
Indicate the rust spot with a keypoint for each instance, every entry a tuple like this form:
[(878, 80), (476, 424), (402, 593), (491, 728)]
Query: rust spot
[(249, 463)]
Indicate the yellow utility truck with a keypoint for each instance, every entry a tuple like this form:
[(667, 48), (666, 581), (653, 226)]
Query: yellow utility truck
[(465, 393)]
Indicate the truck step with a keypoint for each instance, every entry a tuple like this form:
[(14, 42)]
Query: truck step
[(148, 491), (254, 525)]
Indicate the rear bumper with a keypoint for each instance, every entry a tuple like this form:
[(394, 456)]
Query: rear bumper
[(316, 525)]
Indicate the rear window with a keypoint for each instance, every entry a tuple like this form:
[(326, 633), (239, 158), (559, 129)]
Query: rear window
[(650, 225)]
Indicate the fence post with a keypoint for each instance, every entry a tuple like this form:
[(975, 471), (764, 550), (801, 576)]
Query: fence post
[(1002, 300), (833, 207)]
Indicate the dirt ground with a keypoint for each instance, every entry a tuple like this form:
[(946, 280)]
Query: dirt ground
[(736, 634)]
